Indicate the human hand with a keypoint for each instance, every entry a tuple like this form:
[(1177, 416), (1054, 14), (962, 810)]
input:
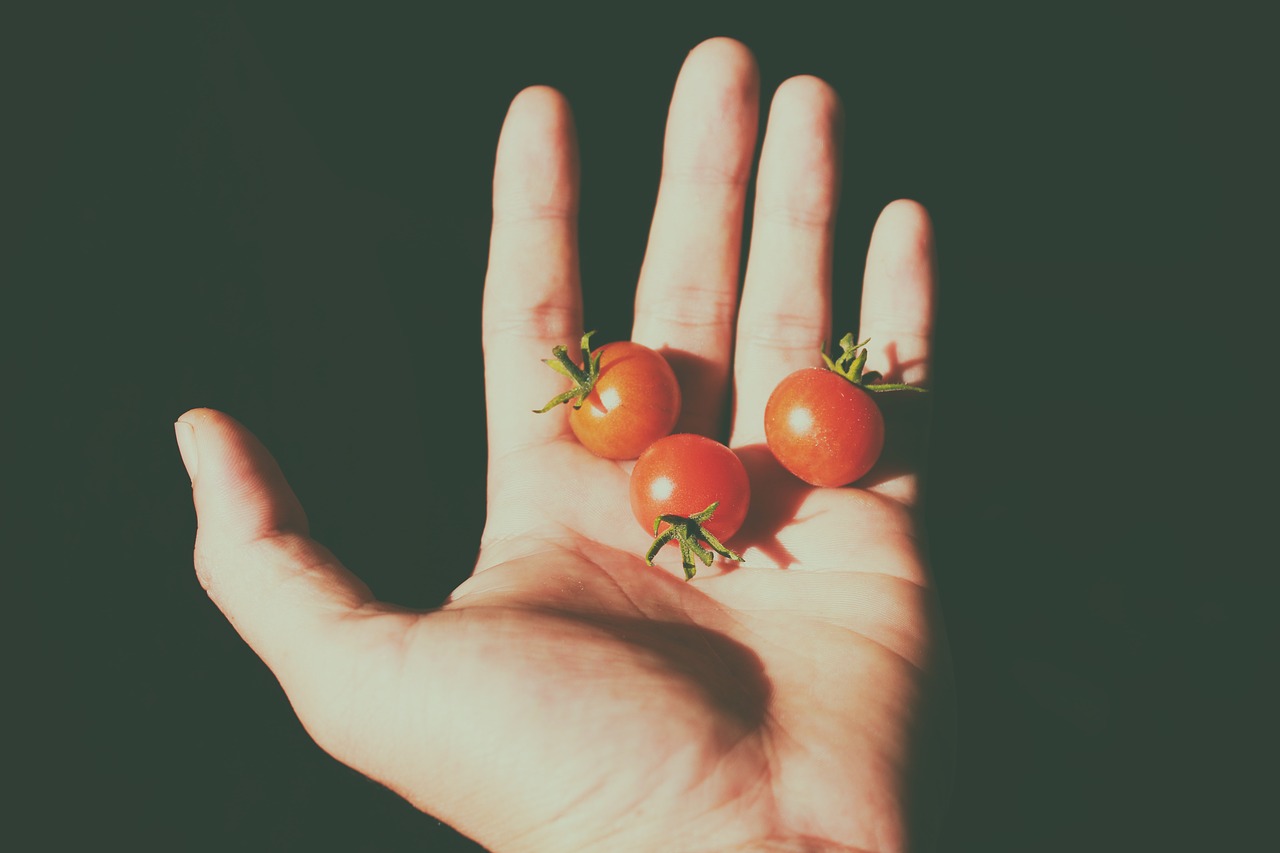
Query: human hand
[(567, 696)]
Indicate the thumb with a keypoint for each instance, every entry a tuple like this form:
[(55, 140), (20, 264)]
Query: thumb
[(285, 594), (239, 491)]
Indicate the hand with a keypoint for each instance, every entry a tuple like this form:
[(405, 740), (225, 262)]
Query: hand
[(567, 696)]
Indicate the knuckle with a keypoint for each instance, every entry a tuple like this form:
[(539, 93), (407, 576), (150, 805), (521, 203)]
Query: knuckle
[(708, 172), (525, 211), (812, 213), (543, 320), (782, 330), (707, 307)]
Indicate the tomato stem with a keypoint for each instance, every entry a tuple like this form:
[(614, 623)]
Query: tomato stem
[(851, 363), (583, 380), (687, 532)]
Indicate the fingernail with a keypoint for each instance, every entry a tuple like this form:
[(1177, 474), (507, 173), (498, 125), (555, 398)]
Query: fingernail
[(186, 435)]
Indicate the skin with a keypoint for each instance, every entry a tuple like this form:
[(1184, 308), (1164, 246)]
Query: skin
[(567, 697)]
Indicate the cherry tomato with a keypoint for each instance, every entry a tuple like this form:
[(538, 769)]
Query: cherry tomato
[(823, 428), (625, 396), (685, 475), (634, 402)]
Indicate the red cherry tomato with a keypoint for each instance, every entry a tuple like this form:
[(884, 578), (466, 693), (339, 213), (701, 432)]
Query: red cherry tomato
[(635, 401), (683, 474), (823, 428)]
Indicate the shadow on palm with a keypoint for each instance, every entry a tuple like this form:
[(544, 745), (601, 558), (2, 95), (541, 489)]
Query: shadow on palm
[(710, 691)]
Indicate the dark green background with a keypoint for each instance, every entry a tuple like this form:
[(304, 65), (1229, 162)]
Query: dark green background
[(284, 214)]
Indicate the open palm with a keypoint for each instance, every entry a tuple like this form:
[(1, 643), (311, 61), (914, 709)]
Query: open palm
[(567, 696)]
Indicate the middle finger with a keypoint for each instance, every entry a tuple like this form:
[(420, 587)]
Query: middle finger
[(688, 288)]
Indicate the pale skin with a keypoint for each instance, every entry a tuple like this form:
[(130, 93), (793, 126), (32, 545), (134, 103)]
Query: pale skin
[(567, 696)]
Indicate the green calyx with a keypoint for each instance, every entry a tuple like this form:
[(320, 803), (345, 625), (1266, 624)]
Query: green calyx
[(689, 533), (583, 379), (850, 363)]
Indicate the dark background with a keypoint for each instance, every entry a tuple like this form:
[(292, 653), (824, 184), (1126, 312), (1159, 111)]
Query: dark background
[(283, 213)]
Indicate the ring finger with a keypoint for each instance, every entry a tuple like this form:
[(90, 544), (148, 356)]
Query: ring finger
[(786, 301)]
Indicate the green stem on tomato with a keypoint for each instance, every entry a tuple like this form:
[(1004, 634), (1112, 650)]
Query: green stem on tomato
[(584, 380), (851, 363), (687, 532)]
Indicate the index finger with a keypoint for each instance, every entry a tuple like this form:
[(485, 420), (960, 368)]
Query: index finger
[(532, 294)]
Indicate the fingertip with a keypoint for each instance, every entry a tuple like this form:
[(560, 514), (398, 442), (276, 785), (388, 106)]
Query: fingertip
[(906, 217), (239, 490), (201, 420), (540, 111), (902, 248), (814, 94), (536, 168), (906, 207), (711, 123), (185, 434), (721, 52), (191, 415), (538, 98), (187, 430)]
